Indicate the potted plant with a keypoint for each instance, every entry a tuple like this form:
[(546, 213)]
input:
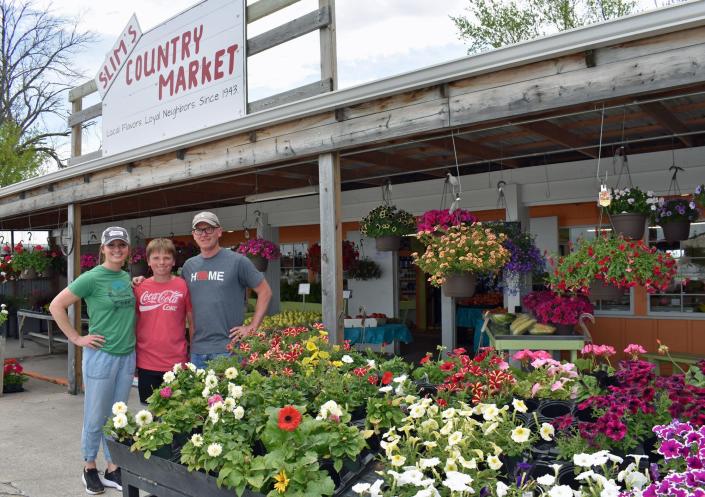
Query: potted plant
[(29, 263), (433, 220), (88, 261), (387, 224), (525, 258), (629, 210), (138, 261), (13, 372), (607, 263), (453, 257), (350, 257), (561, 311), (365, 269), (259, 251), (674, 216)]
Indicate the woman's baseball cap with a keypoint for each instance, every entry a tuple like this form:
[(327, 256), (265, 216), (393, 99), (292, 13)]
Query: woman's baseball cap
[(114, 233)]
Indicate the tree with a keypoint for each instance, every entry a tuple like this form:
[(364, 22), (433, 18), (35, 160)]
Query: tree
[(37, 68), (496, 23), (17, 162)]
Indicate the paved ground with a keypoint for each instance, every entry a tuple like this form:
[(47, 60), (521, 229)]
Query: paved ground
[(40, 431)]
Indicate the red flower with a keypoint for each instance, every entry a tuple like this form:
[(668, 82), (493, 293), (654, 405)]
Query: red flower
[(288, 371), (372, 379), (289, 418), (425, 359), (441, 402), (387, 378), (447, 366)]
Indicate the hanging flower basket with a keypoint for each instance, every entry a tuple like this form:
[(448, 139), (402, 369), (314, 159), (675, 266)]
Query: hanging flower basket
[(260, 262), (676, 231), (630, 226), (28, 274), (388, 243), (460, 285), (600, 291)]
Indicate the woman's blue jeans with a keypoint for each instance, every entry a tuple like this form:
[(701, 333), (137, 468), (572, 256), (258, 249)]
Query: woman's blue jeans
[(107, 379)]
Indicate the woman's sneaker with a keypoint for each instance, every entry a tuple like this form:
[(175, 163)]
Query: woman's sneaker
[(112, 479), (91, 479)]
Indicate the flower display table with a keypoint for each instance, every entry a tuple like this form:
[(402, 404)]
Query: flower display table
[(169, 479), (388, 333), (23, 314), (572, 343)]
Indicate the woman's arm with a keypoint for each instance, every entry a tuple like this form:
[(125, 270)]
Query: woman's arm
[(59, 311)]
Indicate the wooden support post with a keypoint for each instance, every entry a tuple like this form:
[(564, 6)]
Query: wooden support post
[(329, 53), (273, 273), (76, 133), (75, 354), (515, 211), (331, 245), (448, 327)]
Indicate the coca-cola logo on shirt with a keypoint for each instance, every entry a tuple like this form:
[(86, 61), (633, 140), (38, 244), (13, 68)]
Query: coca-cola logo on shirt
[(166, 299)]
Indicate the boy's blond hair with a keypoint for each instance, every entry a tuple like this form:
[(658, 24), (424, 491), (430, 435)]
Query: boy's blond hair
[(161, 245)]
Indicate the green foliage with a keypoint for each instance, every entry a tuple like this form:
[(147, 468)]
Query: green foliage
[(18, 162), (497, 23), (387, 220)]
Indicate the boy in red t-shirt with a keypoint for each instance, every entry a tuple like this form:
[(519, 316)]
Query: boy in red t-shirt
[(163, 305)]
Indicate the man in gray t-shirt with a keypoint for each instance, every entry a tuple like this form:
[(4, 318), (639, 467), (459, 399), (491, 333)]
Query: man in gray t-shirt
[(217, 280)]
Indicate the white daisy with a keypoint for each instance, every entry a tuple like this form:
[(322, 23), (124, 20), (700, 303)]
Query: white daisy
[(144, 417), (119, 408), (238, 412), (197, 440), (168, 377), (231, 373), (120, 421), (215, 449), (347, 359)]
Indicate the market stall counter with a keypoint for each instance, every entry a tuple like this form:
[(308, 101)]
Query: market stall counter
[(391, 333)]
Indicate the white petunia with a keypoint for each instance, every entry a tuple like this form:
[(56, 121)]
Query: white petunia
[(397, 460), (231, 373), (583, 460), (430, 444), (371, 363), (520, 434), (449, 413), (191, 367), (429, 463), (417, 411), (176, 368), (546, 480), (214, 450), (450, 465), (561, 491), (120, 421), (458, 482), (119, 408), (347, 359), (168, 377), (519, 405), (400, 379), (238, 412), (385, 389), (144, 417), (447, 428), (600, 457), (501, 489), (493, 462), (235, 391), (361, 488), (211, 381), (455, 438), (200, 372), (430, 425), (490, 412), (636, 480), (547, 431), (206, 393), (585, 475), (328, 409)]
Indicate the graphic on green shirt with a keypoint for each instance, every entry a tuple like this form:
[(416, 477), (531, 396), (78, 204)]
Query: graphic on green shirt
[(111, 307)]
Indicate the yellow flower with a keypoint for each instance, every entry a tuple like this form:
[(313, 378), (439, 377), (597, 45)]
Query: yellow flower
[(282, 482), (337, 364), (311, 347)]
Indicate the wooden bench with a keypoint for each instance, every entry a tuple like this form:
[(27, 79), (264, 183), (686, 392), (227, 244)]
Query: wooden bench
[(677, 357)]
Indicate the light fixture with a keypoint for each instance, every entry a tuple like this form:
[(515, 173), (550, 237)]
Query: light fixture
[(276, 195)]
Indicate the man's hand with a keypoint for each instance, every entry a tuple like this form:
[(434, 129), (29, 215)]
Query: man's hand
[(242, 332), (90, 341), (137, 280)]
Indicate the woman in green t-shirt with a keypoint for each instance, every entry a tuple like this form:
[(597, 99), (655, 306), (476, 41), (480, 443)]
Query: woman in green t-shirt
[(109, 348)]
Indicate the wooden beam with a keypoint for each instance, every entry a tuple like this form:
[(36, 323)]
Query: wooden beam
[(263, 8), (398, 162), (85, 157), (331, 246), (76, 131), (73, 270), (289, 31), (559, 135), (85, 114), (668, 120), (328, 47), (82, 90), (305, 91)]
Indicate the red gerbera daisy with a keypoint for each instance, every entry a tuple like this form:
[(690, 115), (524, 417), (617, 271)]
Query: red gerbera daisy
[(289, 418), (387, 378)]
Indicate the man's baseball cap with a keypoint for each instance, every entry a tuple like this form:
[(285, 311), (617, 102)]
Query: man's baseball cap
[(205, 217), (114, 233)]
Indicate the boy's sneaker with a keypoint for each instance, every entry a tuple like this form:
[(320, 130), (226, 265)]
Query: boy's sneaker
[(91, 479), (112, 479)]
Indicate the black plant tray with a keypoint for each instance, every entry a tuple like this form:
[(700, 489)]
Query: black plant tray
[(169, 479)]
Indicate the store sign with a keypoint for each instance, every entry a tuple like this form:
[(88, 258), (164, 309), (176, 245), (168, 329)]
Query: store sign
[(184, 75), (116, 57)]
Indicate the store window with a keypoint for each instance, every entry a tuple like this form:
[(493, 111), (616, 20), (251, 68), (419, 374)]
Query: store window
[(293, 262), (686, 294), (569, 237)]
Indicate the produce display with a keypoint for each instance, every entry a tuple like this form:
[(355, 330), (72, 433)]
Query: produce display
[(289, 318)]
